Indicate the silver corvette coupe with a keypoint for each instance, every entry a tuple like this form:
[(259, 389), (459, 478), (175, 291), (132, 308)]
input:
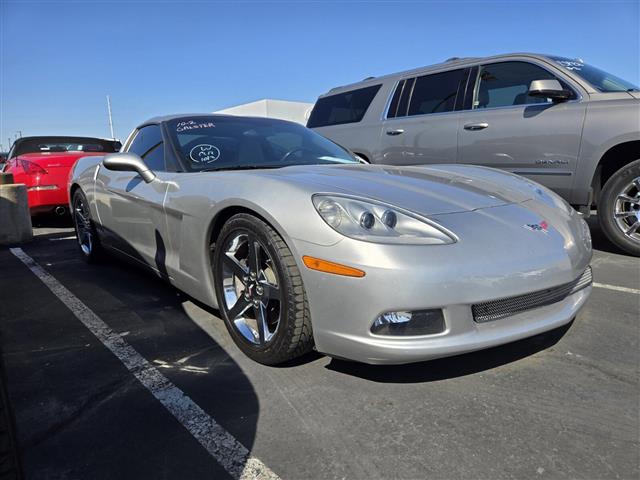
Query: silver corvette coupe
[(298, 244)]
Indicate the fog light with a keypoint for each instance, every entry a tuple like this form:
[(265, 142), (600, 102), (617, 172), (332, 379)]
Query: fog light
[(419, 322)]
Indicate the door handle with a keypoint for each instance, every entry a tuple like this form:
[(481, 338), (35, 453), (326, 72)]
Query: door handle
[(398, 131), (476, 126)]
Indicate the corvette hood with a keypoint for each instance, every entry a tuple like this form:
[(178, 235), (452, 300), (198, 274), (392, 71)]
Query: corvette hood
[(427, 190)]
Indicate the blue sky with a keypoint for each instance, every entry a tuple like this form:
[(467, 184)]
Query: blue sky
[(60, 58)]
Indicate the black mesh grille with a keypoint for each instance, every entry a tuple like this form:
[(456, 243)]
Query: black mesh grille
[(505, 307)]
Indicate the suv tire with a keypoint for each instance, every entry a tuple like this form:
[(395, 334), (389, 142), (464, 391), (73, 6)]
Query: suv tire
[(619, 208)]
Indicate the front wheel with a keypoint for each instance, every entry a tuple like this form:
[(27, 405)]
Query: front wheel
[(619, 208), (86, 234), (260, 292)]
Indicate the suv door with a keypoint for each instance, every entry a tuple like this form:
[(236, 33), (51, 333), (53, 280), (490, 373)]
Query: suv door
[(421, 122), (131, 209), (506, 128)]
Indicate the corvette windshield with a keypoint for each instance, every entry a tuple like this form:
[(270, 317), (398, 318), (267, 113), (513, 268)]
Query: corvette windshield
[(233, 143)]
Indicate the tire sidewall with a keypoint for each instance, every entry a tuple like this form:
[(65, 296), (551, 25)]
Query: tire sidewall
[(247, 224), (94, 256), (607, 203)]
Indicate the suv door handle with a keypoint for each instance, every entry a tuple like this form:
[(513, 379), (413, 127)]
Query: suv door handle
[(476, 126), (398, 131)]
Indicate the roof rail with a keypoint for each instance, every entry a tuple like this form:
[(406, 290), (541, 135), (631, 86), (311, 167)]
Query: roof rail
[(368, 78), (451, 59)]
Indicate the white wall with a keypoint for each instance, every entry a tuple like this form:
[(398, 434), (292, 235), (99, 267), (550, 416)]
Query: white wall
[(293, 111)]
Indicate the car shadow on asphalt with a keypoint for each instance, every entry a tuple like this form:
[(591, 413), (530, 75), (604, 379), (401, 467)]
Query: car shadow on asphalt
[(451, 367), (599, 240), (52, 221)]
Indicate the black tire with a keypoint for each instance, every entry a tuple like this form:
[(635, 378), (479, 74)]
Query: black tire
[(607, 205), (95, 252), (293, 336)]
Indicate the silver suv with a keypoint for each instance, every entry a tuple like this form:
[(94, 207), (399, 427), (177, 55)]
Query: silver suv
[(559, 121)]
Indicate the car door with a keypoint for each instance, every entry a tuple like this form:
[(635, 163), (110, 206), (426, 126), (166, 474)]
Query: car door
[(506, 128), (421, 125), (131, 210)]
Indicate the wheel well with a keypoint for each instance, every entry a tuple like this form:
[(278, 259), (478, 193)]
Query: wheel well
[(225, 214), (73, 189), (613, 160)]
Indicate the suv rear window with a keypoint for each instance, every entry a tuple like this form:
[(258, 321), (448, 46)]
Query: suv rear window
[(346, 107)]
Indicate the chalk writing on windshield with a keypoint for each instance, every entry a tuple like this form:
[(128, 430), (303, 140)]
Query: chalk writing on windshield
[(192, 125), (204, 153)]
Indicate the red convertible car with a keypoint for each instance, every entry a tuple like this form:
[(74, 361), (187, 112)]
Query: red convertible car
[(43, 165)]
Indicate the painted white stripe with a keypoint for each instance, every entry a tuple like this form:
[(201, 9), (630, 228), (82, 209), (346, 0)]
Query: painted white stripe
[(220, 444), (616, 288), (73, 237)]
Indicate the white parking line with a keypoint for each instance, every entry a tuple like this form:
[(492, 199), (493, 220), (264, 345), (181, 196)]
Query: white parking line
[(221, 445), (616, 288), (73, 237)]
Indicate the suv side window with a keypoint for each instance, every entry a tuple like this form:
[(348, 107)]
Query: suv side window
[(435, 93), (507, 84), (148, 145), (346, 107)]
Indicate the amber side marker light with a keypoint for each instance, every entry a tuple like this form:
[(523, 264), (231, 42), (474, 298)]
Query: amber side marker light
[(330, 267)]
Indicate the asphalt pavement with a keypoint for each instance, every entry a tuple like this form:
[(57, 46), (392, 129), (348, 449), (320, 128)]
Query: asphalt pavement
[(112, 373)]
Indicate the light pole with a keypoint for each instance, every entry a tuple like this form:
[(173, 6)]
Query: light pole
[(110, 119)]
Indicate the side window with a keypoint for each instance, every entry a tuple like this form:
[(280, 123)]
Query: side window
[(393, 106), (346, 107), (154, 158), (507, 84), (435, 93), (148, 144)]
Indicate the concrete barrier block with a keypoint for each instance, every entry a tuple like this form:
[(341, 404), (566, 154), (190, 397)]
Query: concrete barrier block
[(15, 220)]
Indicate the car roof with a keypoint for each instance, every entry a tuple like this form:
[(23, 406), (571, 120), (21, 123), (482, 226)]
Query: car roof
[(452, 62), (57, 138), (213, 116)]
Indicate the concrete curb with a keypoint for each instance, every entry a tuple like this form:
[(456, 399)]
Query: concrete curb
[(15, 220)]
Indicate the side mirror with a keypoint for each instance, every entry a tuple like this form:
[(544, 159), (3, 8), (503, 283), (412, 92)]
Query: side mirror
[(549, 89), (128, 162), (360, 159)]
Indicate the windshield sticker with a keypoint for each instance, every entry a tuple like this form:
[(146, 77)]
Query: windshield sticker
[(192, 125), (571, 64), (204, 153)]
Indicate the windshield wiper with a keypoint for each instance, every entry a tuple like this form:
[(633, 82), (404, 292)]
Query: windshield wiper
[(241, 167)]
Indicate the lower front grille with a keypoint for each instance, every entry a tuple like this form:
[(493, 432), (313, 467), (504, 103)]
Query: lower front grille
[(505, 307)]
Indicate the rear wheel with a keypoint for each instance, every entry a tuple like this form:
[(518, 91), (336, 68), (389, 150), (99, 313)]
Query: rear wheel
[(619, 208), (86, 234), (260, 292)]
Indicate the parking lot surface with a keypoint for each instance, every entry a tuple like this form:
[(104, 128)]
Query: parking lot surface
[(113, 373)]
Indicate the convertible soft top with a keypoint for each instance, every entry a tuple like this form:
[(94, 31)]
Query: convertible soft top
[(41, 144)]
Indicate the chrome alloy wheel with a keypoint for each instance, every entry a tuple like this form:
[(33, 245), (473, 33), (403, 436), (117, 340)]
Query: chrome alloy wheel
[(626, 210), (82, 221), (251, 289)]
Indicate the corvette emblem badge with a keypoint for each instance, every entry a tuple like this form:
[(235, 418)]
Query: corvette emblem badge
[(543, 227)]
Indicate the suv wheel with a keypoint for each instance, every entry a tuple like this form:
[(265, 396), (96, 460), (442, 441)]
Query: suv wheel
[(619, 208)]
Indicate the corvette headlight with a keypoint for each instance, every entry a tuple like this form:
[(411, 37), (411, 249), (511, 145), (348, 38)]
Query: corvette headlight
[(586, 234), (371, 221)]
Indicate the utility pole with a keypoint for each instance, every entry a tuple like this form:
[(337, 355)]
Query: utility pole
[(110, 119)]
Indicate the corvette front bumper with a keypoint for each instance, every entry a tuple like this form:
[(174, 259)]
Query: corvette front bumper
[(481, 267)]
